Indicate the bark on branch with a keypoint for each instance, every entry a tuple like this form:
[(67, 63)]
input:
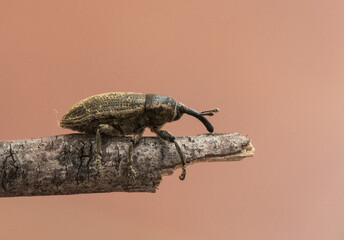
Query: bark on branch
[(65, 164)]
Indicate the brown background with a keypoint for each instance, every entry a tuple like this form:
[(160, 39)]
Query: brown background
[(275, 68)]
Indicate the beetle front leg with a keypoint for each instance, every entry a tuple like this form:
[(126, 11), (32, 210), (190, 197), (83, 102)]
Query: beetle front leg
[(133, 142), (167, 136)]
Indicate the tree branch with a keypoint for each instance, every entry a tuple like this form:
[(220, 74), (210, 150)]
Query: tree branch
[(65, 164)]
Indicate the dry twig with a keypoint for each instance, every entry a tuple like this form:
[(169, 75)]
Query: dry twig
[(64, 164)]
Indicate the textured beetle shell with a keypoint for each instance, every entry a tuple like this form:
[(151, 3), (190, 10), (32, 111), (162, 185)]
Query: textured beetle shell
[(104, 108)]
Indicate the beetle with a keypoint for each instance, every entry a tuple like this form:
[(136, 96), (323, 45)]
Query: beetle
[(129, 113)]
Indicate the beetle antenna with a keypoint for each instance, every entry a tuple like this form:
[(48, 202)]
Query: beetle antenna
[(210, 112), (200, 117)]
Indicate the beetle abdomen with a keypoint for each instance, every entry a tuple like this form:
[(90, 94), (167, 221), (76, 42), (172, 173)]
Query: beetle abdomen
[(115, 105)]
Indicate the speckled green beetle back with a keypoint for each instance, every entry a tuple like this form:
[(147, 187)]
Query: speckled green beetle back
[(116, 105)]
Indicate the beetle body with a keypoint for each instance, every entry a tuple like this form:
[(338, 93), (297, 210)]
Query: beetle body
[(128, 113), (124, 111)]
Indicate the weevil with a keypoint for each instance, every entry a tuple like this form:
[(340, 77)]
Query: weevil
[(128, 113)]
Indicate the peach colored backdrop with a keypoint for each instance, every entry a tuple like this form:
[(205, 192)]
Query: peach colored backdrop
[(275, 68)]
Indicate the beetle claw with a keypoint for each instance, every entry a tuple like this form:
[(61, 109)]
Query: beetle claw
[(98, 161), (182, 175), (132, 173)]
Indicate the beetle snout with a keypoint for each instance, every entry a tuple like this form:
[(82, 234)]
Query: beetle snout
[(199, 116)]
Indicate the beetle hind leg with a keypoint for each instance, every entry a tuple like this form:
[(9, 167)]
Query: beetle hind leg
[(167, 136), (107, 130), (99, 151), (133, 142)]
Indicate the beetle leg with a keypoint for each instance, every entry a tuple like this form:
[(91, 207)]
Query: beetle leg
[(99, 151), (167, 136), (107, 130), (133, 142)]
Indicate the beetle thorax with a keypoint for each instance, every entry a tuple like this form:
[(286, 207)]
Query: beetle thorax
[(160, 109)]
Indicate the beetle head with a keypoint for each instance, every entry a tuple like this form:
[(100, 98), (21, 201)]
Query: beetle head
[(161, 109)]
